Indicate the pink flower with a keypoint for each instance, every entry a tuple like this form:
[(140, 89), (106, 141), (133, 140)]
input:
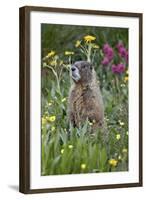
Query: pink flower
[(105, 61), (118, 69), (119, 45), (122, 52), (106, 48), (108, 52)]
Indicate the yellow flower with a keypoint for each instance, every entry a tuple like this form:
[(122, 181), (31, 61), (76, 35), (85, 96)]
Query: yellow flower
[(53, 62), (113, 162), (44, 121), (124, 150), (51, 53), (78, 42), (83, 166), (68, 53), (53, 128), (49, 104), (63, 100), (95, 46), (70, 146), (89, 38), (119, 157), (51, 118), (62, 151), (121, 123), (126, 79), (118, 136)]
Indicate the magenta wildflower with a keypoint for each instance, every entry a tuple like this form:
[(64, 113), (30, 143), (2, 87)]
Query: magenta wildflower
[(105, 61), (123, 52), (119, 45), (106, 48), (118, 69), (108, 52)]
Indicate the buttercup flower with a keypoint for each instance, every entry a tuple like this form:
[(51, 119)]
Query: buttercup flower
[(78, 42), (44, 121), (83, 166), (51, 53), (118, 136), (53, 128), (62, 151), (124, 150), (70, 146), (52, 118), (63, 100), (89, 38), (68, 53), (126, 79), (121, 123), (113, 162)]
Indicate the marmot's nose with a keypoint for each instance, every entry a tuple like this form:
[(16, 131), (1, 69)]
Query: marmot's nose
[(73, 69)]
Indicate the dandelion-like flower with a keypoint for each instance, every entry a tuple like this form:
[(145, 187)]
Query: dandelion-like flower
[(51, 53), (89, 38), (78, 42), (95, 46), (113, 162), (68, 53), (83, 166)]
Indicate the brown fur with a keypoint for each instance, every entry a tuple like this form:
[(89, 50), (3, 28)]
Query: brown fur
[(85, 100)]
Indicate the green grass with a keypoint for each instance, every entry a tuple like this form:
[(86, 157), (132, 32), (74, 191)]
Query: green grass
[(68, 150)]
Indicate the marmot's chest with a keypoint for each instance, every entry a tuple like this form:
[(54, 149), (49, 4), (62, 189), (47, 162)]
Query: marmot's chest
[(84, 104)]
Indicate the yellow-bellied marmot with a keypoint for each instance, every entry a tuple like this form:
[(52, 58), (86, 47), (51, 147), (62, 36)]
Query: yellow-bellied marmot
[(85, 100)]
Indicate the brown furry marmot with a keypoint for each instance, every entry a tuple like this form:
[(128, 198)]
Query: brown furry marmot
[(85, 100)]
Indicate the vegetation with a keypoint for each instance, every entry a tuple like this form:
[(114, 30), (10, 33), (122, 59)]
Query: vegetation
[(68, 150)]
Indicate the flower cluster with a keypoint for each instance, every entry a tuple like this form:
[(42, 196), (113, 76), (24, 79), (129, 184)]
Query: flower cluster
[(122, 51), (108, 54), (118, 69)]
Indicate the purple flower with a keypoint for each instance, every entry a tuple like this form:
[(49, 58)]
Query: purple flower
[(119, 45), (122, 52), (118, 69), (108, 52), (106, 48), (105, 61)]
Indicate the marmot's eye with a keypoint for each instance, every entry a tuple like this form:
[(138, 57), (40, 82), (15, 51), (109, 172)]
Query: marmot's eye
[(84, 66)]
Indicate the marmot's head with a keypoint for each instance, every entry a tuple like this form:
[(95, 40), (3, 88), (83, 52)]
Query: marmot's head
[(81, 72)]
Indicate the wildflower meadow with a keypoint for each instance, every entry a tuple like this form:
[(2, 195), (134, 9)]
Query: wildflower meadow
[(69, 150)]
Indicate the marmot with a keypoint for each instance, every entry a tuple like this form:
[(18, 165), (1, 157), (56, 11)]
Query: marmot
[(85, 100)]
